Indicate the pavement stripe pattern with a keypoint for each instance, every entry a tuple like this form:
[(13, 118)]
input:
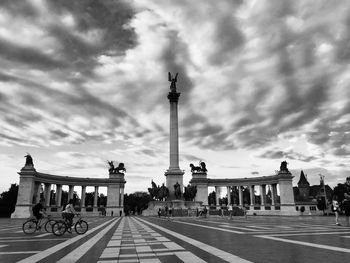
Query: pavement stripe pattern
[(135, 242), (210, 249)]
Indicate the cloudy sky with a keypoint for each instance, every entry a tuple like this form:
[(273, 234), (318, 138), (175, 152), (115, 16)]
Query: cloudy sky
[(261, 81)]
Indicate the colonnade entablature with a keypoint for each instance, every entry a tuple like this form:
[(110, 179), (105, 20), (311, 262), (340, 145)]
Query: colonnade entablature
[(32, 184), (271, 194)]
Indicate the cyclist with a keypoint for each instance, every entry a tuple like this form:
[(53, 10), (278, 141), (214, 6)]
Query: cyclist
[(68, 213), (38, 210)]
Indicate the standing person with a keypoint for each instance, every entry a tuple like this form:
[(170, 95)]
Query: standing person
[(335, 208), (159, 212), (38, 210), (230, 210), (171, 211), (68, 213), (347, 200), (166, 210)]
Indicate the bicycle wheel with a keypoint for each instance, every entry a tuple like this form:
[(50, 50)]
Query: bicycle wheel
[(29, 227), (49, 224), (81, 227), (59, 228)]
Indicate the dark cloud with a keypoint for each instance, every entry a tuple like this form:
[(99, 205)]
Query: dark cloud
[(32, 57), (292, 155), (149, 152), (230, 39)]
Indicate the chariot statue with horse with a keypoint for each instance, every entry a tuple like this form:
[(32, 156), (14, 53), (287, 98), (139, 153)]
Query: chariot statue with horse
[(119, 169), (198, 169)]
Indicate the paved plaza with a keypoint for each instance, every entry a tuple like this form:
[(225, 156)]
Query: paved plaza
[(185, 239)]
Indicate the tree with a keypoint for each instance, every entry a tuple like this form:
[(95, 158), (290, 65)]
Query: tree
[(137, 202), (8, 201)]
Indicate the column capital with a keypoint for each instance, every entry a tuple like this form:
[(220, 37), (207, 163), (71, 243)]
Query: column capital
[(174, 96)]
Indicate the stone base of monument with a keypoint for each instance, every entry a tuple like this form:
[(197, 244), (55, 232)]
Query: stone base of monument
[(284, 210), (177, 205)]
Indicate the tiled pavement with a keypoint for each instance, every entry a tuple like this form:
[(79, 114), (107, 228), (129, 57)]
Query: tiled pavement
[(133, 241)]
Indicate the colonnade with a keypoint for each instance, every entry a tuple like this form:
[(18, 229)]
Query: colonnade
[(30, 189), (252, 203), (279, 200)]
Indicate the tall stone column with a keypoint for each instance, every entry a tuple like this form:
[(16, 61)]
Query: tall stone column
[(252, 197), (273, 194), (47, 194), (262, 196), (173, 174), (240, 194), (58, 195), (95, 197), (229, 202), (83, 195), (217, 195), (37, 191), (122, 196), (70, 192)]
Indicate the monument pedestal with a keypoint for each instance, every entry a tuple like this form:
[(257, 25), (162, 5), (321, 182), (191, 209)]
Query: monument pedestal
[(199, 179), (153, 206), (172, 177), (115, 195), (24, 203)]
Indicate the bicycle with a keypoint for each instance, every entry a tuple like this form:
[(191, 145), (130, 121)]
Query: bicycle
[(32, 225), (61, 226)]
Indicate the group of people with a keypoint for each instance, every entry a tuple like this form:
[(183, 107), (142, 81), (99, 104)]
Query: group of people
[(168, 211), (344, 201)]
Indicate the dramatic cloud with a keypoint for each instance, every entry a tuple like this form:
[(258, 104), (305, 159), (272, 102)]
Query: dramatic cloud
[(260, 82)]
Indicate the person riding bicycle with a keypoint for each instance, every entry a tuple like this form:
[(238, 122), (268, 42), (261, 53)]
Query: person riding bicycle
[(68, 212), (39, 210)]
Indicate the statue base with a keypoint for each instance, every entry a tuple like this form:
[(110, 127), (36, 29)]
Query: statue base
[(174, 176), (177, 205)]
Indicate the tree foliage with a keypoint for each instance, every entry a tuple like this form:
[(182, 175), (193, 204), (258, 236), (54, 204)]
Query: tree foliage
[(8, 201), (135, 203)]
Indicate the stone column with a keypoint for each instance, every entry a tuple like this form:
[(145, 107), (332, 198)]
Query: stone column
[(174, 174), (95, 207), (229, 202), (58, 195), (272, 197), (274, 194), (240, 193), (252, 197), (82, 202), (217, 195), (47, 194), (122, 196), (70, 192), (37, 190), (262, 196)]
